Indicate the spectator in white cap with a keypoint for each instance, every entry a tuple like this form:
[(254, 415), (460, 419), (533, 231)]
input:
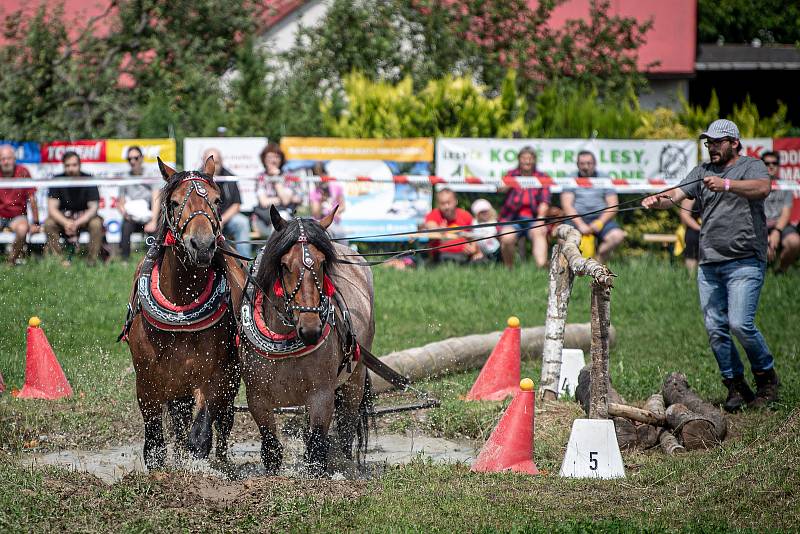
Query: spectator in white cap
[(731, 189), (484, 213)]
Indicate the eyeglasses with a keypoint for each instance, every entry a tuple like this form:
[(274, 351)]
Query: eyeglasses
[(134, 158), (771, 163), (716, 142)]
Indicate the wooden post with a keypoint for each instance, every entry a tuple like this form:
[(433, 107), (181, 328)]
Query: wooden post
[(601, 315), (560, 289)]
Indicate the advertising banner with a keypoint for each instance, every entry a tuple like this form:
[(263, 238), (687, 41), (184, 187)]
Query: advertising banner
[(25, 151), (102, 158), (240, 155), (370, 208), (328, 148), (627, 159)]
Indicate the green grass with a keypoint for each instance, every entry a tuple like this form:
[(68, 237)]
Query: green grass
[(751, 482)]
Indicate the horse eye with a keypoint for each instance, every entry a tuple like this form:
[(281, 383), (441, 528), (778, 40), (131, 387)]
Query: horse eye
[(218, 202), (173, 204)]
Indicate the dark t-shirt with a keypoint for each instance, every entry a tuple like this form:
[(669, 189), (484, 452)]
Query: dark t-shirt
[(733, 227), (74, 199), (229, 192)]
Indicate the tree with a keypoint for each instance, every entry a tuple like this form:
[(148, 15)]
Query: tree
[(741, 21), (156, 71), (54, 87), (596, 53), (175, 52)]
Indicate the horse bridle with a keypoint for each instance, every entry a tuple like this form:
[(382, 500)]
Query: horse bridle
[(307, 264), (195, 186)]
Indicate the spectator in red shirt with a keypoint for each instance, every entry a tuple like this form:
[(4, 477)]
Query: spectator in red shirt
[(446, 215), (14, 203), (525, 203)]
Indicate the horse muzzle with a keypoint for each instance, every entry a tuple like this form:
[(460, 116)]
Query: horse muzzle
[(309, 334), (201, 249)]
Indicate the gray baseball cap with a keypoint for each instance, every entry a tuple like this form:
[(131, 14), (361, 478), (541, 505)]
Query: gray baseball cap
[(721, 128)]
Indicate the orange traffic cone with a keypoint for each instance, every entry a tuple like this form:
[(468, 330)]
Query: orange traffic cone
[(510, 447), (500, 374), (44, 378)]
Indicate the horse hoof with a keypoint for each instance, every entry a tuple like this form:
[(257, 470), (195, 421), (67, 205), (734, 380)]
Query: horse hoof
[(271, 464), (317, 471), (199, 447), (155, 460)]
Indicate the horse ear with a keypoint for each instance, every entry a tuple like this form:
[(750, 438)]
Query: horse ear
[(278, 222), (166, 170), (209, 167), (328, 219)]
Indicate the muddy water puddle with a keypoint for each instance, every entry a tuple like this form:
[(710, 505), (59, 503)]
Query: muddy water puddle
[(111, 465)]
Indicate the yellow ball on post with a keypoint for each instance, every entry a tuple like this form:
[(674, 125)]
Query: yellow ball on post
[(34, 322), (526, 384), (513, 322)]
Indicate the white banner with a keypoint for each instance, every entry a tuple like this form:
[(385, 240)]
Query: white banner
[(240, 155), (625, 159)]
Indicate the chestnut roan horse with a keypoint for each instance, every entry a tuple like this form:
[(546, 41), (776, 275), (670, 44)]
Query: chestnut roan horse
[(303, 320), (181, 323)]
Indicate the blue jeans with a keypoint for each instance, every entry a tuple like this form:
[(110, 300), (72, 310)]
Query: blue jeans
[(729, 292), (238, 229)]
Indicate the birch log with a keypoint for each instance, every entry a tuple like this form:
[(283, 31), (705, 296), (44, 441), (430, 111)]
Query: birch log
[(669, 443), (676, 390), (578, 264), (694, 430), (560, 289), (655, 405), (627, 438), (601, 312), (636, 414), (602, 281), (464, 353), (647, 436)]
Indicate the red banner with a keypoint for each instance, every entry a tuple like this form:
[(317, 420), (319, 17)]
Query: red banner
[(90, 151), (788, 148)]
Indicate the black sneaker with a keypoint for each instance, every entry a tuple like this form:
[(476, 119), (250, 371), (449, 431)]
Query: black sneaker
[(739, 393), (766, 388)]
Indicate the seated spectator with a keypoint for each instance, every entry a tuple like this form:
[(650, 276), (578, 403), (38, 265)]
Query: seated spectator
[(690, 219), (589, 201), (72, 209), (138, 203), (324, 197), (235, 225), (783, 235), (283, 195), (14, 204), (447, 214), (484, 213), (525, 203)]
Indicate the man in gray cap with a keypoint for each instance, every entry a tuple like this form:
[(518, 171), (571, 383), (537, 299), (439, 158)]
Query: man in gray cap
[(733, 257)]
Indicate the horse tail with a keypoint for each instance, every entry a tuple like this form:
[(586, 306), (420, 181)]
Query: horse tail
[(366, 414)]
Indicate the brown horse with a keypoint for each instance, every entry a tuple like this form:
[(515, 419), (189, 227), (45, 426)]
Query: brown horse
[(181, 323), (303, 319)]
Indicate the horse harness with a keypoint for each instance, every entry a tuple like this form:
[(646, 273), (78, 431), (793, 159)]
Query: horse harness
[(273, 345), (215, 299)]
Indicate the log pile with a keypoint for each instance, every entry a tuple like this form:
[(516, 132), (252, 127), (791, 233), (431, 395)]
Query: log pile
[(676, 420)]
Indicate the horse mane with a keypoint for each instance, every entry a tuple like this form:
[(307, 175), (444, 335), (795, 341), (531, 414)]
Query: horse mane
[(279, 243), (169, 187)]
